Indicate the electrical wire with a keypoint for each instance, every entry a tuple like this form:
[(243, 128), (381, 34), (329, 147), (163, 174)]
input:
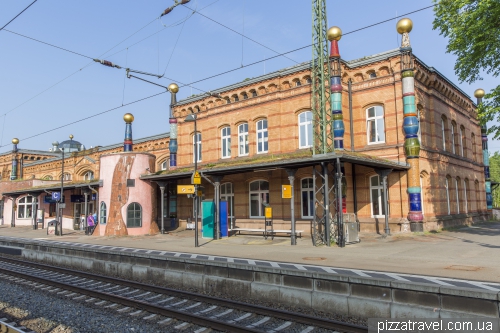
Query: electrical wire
[(6, 24), (210, 77), (89, 117), (225, 26)]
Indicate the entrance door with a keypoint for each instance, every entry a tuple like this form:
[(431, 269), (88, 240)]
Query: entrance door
[(79, 214)]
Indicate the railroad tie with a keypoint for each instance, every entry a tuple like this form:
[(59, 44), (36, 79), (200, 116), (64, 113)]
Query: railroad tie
[(165, 321)]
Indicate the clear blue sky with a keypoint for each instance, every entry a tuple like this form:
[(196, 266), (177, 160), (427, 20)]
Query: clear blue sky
[(204, 48)]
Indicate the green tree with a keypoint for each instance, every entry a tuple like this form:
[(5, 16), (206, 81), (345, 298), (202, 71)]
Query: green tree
[(473, 30), (495, 177)]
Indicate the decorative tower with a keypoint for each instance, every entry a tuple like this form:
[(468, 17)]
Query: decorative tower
[(13, 174), (479, 94), (334, 34), (172, 146), (128, 143), (410, 126)]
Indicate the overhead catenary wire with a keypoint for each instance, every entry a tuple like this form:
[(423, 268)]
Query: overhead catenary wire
[(89, 117), (210, 77), (6, 24)]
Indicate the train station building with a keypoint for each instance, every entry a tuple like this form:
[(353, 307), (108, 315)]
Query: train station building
[(254, 136)]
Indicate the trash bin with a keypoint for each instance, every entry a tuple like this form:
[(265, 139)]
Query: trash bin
[(52, 227)]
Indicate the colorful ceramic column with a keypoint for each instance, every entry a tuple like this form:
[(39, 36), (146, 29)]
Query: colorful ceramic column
[(410, 126), (128, 143), (13, 174), (334, 34), (479, 94), (172, 146)]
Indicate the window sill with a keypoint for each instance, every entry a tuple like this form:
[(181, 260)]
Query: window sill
[(376, 143)]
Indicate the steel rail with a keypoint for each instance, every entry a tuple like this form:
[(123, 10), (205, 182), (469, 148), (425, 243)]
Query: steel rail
[(184, 316), (257, 309)]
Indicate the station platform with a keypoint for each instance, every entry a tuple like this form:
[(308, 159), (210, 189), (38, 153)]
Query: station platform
[(464, 257)]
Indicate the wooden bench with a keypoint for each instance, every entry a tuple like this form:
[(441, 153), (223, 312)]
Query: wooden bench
[(272, 233)]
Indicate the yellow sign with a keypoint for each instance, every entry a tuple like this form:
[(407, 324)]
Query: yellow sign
[(185, 189), (268, 212), (286, 191), (196, 178)]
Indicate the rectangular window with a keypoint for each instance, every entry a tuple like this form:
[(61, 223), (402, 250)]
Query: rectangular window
[(377, 197), (375, 127), (465, 197), (243, 148), (262, 137), (448, 195), (226, 142), (305, 129), (443, 134)]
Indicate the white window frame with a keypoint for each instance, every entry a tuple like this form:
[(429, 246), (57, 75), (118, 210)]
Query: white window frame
[(67, 176), (465, 197), (89, 175), (260, 196), (381, 196), (243, 146), (419, 132), (164, 164), (452, 138), (456, 194), (262, 137), (447, 187), (307, 125), (225, 137), (103, 213), (23, 204), (197, 141), (443, 133), (308, 191), (374, 120)]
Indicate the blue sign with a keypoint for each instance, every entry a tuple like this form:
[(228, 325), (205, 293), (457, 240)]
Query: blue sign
[(94, 196), (56, 196)]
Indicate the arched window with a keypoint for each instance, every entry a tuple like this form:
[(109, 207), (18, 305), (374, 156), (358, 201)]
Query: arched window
[(262, 136), (66, 176), (164, 165), (443, 131), (473, 143), (457, 194), (308, 80), (375, 128), (305, 129), (462, 141), (48, 177), (197, 144), (245, 96), (372, 74), (307, 197), (447, 188), (103, 213), (453, 131), (134, 215), (243, 148), (235, 98), (227, 194), (377, 197), (297, 83), (226, 142), (25, 208), (254, 93), (259, 195), (89, 175)]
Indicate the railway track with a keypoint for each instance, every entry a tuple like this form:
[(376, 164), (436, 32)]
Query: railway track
[(168, 306)]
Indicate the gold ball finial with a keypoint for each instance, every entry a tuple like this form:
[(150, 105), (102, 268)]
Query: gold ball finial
[(479, 93), (128, 117), (15, 141), (404, 25), (71, 136), (334, 33), (172, 87)]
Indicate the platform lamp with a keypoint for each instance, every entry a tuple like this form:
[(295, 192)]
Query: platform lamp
[(192, 118)]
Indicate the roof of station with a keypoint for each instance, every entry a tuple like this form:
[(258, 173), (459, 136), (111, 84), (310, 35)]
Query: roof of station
[(54, 186), (307, 66), (295, 160)]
